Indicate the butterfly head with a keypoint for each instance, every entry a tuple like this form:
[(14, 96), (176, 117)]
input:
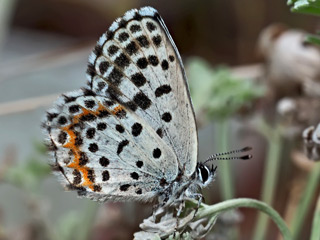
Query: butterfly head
[(205, 175)]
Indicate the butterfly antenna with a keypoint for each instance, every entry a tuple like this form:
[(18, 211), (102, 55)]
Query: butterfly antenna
[(217, 156)]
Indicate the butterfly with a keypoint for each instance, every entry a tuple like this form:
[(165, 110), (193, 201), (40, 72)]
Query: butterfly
[(130, 134)]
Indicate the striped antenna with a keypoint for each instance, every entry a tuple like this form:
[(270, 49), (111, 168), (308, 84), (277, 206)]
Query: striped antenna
[(244, 157)]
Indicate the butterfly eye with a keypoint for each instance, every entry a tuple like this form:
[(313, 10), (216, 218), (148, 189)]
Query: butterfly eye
[(204, 173)]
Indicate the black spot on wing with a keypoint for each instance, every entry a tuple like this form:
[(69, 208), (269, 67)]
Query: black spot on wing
[(121, 146), (91, 175), (153, 60), (68, 99), (143, 41), (115, 76), (157, 40), (74, 108), (138, 79), (120, 128), (151, 27), (164, 89), (78, 141), (137, 17), (51, 116), (105, 175), (97, 188), (156, 153), (124, 187), (91, 71), (139, 164), (160, 132), (104, 162), (122, 61), (110, 34), (136, 129), (134, 175), (101, 126), (62, 137), (83, 160), (93, 147), (103, 67), (166, 117), (165, 65), (123, 36), (76, 177), (90, 133), (121, 114), (88, 118), (103, 114), (88, 92), (163, 182), (142, 100), (142, 63), (109, 103), (131, 105), (112, 50), (131, 48), (89, 103), (97, 50), (62, 120), (101, 85), (135, 28), (123, 23)]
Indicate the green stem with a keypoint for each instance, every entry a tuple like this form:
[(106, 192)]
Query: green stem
[(304, 205), (225, 173), (270, 177), (315, 234), (207, 211)]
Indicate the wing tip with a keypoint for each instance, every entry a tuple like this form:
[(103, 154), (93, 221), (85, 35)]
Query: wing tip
[(148, 11)]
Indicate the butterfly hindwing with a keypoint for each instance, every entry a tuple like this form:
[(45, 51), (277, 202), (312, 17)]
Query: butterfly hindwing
[(137, 63), (105, 150)]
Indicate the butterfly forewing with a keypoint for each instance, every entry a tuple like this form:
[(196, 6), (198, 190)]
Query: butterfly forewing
[(152, 82)]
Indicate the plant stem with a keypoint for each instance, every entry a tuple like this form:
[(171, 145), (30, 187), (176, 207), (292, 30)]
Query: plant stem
[(225, 173), (207, 210), (270, 176), (315, 232), (306, 198)]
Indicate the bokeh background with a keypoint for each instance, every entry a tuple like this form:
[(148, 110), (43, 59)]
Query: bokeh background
[(44, 45)]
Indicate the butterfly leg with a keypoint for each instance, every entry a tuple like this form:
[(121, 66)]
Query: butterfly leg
[(179, 211), (200, 198)]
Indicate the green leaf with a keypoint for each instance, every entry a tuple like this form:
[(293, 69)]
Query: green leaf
[(315, 39), (216, 91), (305, 6), (28, 175)]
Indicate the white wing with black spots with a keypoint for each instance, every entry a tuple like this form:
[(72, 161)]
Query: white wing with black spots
[(105, 150), (137, 63), (132, 133)]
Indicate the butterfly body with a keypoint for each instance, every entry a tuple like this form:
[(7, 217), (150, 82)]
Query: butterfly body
[(130, 135)]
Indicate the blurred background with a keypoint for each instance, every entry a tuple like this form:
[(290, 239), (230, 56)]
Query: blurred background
[(254, 82)]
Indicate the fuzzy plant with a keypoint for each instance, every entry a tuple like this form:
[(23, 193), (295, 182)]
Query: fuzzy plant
[(196, 223)]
